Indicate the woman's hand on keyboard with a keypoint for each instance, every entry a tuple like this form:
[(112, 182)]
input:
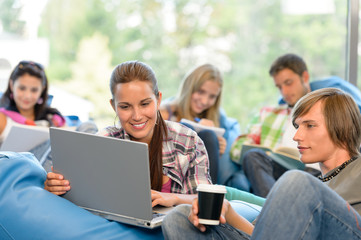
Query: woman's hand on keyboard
[(164, 199)]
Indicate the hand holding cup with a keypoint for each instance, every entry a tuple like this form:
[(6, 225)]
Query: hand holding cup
[(210, 202)]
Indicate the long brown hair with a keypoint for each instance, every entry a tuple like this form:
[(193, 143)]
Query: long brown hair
[(131, 71)]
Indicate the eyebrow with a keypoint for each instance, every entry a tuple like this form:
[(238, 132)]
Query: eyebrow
[(143, 100), (286, 80), (306, 122), (146, 99)]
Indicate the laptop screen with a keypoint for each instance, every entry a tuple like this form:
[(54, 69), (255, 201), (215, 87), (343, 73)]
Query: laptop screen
[(105, 173)]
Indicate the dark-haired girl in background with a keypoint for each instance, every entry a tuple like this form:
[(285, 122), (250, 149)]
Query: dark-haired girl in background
[(25, 100)]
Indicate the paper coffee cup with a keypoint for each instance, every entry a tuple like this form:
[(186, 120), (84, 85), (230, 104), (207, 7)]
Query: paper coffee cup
[(210, 201)]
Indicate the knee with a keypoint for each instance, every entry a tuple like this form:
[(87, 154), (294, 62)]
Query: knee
[(255, 158), (296, 176), (297, 182), (297, 188)]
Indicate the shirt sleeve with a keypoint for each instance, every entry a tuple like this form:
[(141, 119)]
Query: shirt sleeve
[(58, 120), (198, 168)]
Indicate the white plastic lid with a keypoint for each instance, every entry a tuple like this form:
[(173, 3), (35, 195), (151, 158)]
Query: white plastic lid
[(212, 188)]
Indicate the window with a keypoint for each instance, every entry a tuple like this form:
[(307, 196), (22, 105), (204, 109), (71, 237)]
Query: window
[(242, 38)]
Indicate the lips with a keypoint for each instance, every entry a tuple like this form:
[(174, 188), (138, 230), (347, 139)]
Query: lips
[(25, 104), (288, 98), (139, 125), (199, 108), (25, 101), (301, 149)]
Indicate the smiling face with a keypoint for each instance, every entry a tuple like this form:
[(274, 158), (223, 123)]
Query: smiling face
[(314, 142), (205, 97), (26, 92), (291, 85), (136, 106)]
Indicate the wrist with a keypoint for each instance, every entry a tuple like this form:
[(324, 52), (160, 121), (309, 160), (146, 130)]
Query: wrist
[(228, 208), (177, 200)]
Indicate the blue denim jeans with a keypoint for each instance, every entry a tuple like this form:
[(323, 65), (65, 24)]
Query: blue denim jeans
[(176, 226), (238, 180), (299, 206), (261, 171)]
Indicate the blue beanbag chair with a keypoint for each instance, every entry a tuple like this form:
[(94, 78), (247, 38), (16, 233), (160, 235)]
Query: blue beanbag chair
[(247, 210), (28, 211), (244, 203)]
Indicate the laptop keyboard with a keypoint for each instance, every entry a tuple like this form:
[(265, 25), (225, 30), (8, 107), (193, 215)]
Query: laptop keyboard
[(155, 214)]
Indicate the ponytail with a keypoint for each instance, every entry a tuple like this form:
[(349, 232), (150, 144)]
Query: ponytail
[(156, 153)]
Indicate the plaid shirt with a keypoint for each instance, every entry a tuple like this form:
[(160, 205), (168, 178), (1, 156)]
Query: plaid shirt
[(267, 129), (185, 159)]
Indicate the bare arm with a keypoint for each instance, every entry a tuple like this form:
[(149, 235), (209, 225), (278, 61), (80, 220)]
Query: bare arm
[(237, 221), (2, 122)]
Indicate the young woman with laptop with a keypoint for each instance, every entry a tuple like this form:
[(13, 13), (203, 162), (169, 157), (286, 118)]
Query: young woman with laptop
[(178, 159)]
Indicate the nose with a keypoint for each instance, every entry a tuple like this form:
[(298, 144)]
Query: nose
[(283, 90), (28, 94), (204, 100), (298, 135), (137, 116)]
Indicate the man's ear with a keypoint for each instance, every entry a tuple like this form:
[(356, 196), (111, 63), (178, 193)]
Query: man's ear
[(306, 77), (111, 101)]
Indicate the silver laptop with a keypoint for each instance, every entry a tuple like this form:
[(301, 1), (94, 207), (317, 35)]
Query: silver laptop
[(22, 138), (109, 177)]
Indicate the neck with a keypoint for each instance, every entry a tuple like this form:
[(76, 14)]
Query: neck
[(337, 159), (28, 114)]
